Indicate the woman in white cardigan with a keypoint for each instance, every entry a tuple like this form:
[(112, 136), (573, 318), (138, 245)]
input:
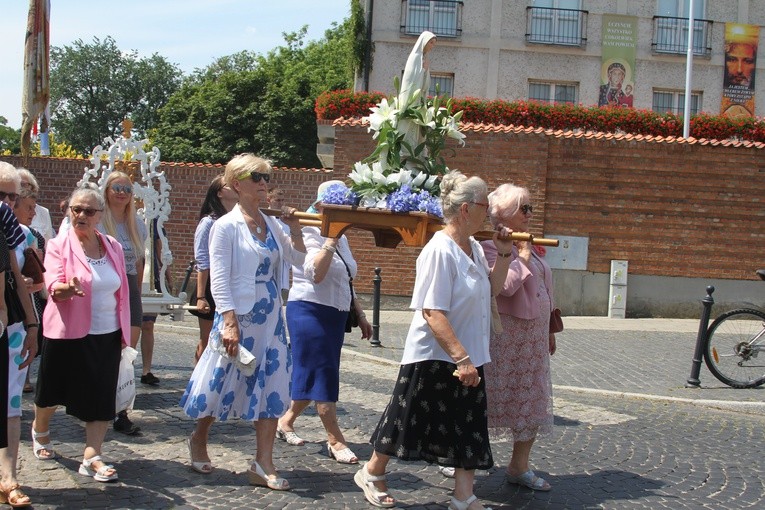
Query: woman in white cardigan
[(246, 253)]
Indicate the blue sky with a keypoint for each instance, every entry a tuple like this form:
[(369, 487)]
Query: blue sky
[(190, 33)]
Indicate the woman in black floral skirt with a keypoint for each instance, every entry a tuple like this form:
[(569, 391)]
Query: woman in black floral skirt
[(438, 409)]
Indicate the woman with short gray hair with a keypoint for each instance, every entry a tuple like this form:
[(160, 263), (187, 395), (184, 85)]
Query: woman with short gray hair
[(438, 409)]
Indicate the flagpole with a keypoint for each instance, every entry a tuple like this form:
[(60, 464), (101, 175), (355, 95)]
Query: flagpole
[(688, 72)]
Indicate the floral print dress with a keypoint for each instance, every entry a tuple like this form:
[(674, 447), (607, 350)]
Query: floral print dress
[(217, 388)]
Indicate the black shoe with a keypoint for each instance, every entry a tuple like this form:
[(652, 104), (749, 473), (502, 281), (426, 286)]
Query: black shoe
[(123, 425), (150, 379)]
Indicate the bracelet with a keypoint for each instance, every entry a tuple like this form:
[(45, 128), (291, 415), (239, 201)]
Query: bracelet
[(330, 249), (32, 325), (458, 362), (504, 255), (202, 297)]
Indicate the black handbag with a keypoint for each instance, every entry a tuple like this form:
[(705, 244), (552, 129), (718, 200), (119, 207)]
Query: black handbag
[(353, 318)]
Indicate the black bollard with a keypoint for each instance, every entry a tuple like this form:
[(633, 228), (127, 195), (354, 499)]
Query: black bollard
[(187, 277), (693, 381), (375, 340)]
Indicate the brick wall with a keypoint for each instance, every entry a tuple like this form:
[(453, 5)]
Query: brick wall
[(670, 208)]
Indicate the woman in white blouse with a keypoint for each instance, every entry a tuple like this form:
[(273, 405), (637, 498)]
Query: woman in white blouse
[(438, 409), (317, 309)]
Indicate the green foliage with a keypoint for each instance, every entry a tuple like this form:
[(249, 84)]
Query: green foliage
[(264, 104), (95, 86), (357, 35), (10, 139)]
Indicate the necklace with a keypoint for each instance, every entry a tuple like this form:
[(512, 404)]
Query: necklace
[(258, 229)]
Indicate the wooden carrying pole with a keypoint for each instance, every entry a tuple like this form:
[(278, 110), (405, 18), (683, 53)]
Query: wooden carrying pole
[(315, 220)]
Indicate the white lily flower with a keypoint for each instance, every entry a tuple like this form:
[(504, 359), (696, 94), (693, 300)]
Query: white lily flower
[(382, 113), (378, 177), (430, 183), (419, 179), (452, 131), (361, 173)]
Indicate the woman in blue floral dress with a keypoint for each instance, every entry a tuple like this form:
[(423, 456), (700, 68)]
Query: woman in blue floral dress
[(246, 253)]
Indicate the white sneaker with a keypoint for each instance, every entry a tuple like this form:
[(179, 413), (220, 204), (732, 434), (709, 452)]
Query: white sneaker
[(448, 472)]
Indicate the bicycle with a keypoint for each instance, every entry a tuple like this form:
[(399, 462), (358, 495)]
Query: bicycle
[(733, 344)]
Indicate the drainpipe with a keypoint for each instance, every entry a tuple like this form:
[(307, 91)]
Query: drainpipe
[(368, 53)]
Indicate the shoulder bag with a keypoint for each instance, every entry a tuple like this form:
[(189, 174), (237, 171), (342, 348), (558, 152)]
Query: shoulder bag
[(353, 319)]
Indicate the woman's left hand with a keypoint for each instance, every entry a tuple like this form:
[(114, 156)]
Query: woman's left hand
[(468, 374), (553, 345), (366, 328)]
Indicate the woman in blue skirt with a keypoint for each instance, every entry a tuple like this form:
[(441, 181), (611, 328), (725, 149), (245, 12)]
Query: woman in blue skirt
[(317, 309)]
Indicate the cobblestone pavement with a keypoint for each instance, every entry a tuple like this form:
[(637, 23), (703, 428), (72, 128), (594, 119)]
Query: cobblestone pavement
[(627, 435)]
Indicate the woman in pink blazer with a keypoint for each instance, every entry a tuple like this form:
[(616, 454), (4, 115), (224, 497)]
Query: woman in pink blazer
[(86, 324), (518, 382)]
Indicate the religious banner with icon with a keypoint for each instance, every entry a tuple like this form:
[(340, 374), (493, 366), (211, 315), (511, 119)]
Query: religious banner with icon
[(617, 70), (741, 42)]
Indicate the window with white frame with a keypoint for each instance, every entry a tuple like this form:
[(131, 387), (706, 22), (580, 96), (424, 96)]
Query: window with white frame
[(553, 92), (672, 26), (555, 21), (444, 82), (438, 16), (673, 101)]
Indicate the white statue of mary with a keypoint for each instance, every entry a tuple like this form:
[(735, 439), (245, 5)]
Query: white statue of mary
[(414, 88)]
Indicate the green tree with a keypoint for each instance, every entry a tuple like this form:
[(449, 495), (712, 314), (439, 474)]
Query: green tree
[(95, 86), (257, 103), (10, 139)]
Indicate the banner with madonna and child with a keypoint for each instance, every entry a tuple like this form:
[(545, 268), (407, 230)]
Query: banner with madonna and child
[(617, 70)]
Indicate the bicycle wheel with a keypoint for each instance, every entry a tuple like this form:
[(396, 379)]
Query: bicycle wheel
[(730, 353)]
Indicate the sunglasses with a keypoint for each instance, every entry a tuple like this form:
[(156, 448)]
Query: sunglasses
[(122, 188), (77, 210), (256, 177), (11, 196), (526, 208)]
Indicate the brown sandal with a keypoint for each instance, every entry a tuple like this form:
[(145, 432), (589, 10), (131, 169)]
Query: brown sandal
[(14, 497)]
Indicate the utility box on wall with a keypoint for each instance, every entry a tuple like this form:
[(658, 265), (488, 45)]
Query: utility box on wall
[(571, 253), (617, 293)]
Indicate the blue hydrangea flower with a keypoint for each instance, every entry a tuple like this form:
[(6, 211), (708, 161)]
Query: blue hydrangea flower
[(337, 194)]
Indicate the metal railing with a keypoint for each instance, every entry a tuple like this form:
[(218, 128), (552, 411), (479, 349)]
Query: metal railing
[(670, 35), (442, 17), (547, 25)]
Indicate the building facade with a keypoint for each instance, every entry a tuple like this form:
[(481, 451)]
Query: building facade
[(563, 50)]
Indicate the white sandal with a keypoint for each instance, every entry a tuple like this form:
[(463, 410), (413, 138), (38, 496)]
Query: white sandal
[(290, 436), (456, 504), (99, 474), (38, 447), (365, 481), (344, 456)]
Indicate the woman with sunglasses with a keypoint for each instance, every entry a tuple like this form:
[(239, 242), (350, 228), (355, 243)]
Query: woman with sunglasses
[(87, 324), (20, 346), (247, 249), (518, 382), (219, 200), (120, 221)]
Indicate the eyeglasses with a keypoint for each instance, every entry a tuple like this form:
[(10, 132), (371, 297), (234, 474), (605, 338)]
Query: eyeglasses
[(122, 188), (77, 210), (256, 177), (484, 204), (11, 196), (526, 208)]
